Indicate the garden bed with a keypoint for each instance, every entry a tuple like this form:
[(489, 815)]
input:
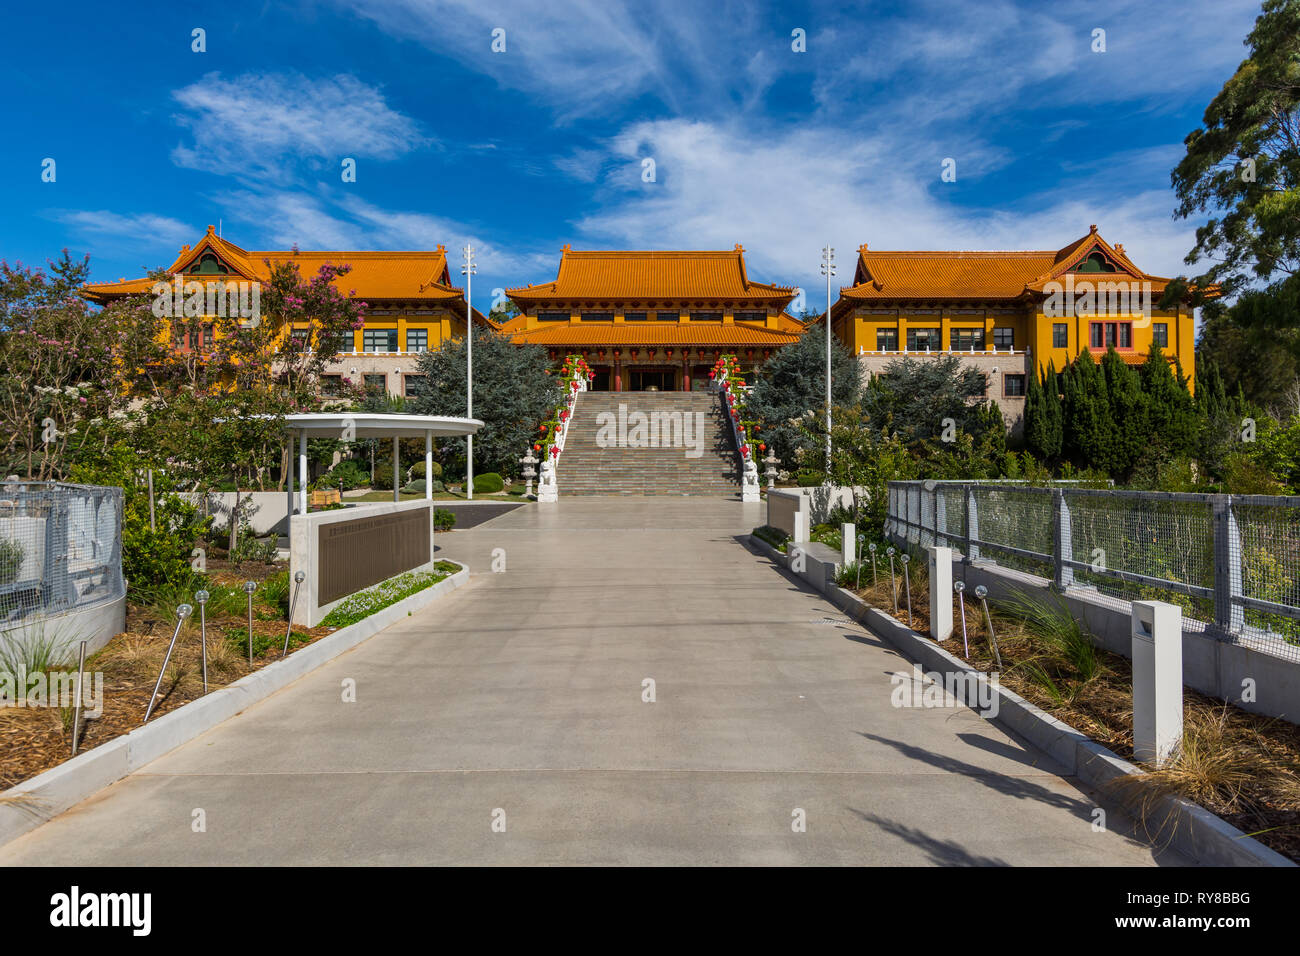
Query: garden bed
[(1243, 767), (35, 739)]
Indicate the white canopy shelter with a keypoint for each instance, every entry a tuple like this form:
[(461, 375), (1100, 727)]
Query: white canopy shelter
[(351, 426)]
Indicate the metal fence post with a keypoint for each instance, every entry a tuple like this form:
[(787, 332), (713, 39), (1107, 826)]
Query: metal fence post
[(940, 518), (1062, 541), (1229, 616), (972, 526)]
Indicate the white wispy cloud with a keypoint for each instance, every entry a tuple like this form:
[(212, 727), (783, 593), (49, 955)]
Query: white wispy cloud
[(785, 196), (261, 126), (131, 230), (282, 218)]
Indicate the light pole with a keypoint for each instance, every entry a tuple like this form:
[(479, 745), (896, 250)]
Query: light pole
[(468, 270), (828, 270)]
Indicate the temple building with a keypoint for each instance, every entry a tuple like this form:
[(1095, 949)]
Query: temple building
[(412, 305), (1009, 313), (654, 321)]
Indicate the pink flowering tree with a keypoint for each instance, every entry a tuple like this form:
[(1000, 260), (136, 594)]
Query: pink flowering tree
[(68, 372), (303, 326)]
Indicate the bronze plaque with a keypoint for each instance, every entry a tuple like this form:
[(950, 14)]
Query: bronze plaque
[(364, 551)]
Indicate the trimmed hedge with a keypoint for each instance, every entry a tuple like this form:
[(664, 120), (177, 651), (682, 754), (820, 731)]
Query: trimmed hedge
[(488, 484)]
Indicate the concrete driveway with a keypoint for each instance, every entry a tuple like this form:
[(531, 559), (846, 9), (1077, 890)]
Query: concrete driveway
[(515, 704)]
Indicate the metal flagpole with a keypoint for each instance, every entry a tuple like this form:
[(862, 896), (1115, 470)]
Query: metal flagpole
[(468, 270), (828, 270)]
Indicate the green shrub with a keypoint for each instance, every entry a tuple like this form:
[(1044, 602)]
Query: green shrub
[(11, 560), (417, 470), (249, 548), (443, 520), (437, 486), (488, 484), (346, 475), (274, 592), (773, 536), (809, 477), (150, 556), (415, 488), (383, 476)]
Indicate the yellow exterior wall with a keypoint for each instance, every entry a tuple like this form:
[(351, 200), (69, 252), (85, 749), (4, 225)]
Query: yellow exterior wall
[(1033, 330)]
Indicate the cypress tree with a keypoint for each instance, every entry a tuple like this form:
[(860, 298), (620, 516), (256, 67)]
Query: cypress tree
[(1035, 420), (1094, 429), (1171, 415), (1053, 412), (1128, 414)]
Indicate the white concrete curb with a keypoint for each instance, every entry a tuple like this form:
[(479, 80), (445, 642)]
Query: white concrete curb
[(32, 802), (1172, 821)]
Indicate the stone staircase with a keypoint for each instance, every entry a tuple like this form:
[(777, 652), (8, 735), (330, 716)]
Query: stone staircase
[(631, 465)]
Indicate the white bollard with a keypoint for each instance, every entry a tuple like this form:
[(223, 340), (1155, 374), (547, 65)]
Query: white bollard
[(940, 592), (800, 535), (848, 543), (1157, 681)]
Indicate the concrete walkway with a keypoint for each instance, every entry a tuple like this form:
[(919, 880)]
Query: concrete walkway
[(521, 694)]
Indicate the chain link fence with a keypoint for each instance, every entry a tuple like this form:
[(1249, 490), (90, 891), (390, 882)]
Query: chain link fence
[(60, 549), (1231, 562)]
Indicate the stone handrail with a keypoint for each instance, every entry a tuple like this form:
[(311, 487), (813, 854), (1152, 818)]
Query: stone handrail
[(547, 486), (731, 392)]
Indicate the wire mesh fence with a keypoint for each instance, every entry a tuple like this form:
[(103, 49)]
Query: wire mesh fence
[(60, 549), (1232, 563)]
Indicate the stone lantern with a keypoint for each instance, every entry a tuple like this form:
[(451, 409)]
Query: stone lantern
[(528, 461), (771, 461)]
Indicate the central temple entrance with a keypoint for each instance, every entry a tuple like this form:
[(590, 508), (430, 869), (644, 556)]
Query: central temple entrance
[(652, 379)]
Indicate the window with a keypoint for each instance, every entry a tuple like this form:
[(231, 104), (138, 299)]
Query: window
[(963, 340), (706, 316), (925, 339), (333, 345), (1060, 335), (552, 317), (751, 316), (598, 316), (1103, 335), (331, 386), (886, 340), (417, 340), (377, 383), (635, 316), (379, 340), (1013, 385), (1160, 334), (1004, 337), (412, 384), (665, 315)]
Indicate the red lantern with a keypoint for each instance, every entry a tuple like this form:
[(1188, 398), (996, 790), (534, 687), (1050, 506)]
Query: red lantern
[(536, 447), (762, 446), (712, 373)]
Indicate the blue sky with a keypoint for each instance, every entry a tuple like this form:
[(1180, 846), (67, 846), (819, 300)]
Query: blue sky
[(543, 144)]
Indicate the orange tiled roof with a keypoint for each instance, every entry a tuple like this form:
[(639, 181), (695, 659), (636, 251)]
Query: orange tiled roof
[(886, 275), (374, 275), (651, 335), (652, 275)]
